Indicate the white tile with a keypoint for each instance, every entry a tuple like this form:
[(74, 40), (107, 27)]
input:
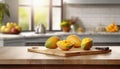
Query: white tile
[(94, 15)]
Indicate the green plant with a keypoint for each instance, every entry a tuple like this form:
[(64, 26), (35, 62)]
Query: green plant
[(65, 23), (4, 10)]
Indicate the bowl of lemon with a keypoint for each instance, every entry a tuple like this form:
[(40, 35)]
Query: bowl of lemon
[(10, 28)]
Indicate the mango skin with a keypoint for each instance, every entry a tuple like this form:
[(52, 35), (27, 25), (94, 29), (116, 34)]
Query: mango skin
[(86, 44), (75, 40), (51, 42)]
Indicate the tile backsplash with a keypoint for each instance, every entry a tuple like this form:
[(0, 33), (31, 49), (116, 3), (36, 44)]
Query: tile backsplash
[(92, 15)]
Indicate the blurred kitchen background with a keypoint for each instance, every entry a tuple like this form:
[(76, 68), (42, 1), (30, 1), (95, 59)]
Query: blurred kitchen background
[(50, 12), (91, 15)]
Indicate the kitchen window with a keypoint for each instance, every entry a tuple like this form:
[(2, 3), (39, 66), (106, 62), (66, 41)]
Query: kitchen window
[(34, 12)]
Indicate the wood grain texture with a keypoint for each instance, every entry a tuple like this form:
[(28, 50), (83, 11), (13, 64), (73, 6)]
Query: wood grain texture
[(71, 52), (20, 55), (59, 66)]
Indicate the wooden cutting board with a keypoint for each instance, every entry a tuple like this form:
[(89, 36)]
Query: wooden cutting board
[(71, 52)]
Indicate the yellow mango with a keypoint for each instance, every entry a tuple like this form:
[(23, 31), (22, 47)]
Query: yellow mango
[(64, 45), (75, 40), (86, 43), (51, 42)]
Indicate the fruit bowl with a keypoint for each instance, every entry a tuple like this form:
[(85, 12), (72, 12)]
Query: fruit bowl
[(10, 33), (11, 28)]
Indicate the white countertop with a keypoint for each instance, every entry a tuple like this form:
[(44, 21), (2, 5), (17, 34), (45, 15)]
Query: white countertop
[(33, 34), (10, 36), (68, 33)]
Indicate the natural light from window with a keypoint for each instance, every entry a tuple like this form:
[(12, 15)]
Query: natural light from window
[(38, 11), (38, 3)]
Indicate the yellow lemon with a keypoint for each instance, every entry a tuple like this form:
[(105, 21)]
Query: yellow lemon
[(18, 28), (14, 24), (9, 25), (80, 30), (7, 30), (2, 28)]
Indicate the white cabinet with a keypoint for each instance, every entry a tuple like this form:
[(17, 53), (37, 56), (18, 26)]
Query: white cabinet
[(39, 39), (92, 1), (35, 41), (12, 42)]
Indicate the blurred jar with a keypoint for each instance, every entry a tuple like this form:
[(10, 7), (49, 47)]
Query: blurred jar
[(99, 28)]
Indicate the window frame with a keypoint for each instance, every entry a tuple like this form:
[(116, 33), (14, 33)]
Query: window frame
[(51, 6)]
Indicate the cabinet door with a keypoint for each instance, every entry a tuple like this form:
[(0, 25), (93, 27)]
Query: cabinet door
[(14, 42), (92, 1)]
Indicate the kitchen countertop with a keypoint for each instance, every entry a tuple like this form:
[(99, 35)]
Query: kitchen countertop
[(32, 34), (26, 38), (20, 55), (10, 36), (68, 33)]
